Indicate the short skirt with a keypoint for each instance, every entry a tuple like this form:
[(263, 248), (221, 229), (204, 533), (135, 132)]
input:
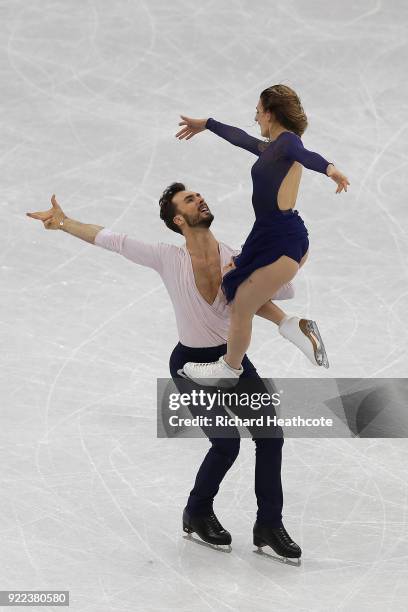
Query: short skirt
[(280, 233)]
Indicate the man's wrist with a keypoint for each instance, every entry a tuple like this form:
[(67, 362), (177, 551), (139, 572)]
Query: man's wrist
[(62, 223), (330, 169)]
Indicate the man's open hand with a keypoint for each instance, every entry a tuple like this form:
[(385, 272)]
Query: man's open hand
[(52, 217)]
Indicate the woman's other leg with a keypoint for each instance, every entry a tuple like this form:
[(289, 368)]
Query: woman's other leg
[(270, 310), (251, 295)]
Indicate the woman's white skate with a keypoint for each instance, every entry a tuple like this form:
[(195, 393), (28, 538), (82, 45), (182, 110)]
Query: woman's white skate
[(305, 334), (213, 374)]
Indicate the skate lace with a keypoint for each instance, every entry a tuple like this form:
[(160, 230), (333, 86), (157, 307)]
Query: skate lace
[(215, 522), (285, 536)]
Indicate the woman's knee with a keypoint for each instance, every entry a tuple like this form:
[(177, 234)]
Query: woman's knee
[(241, 310)]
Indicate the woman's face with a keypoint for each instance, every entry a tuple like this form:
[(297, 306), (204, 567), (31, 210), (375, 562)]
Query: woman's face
[(263, 119)]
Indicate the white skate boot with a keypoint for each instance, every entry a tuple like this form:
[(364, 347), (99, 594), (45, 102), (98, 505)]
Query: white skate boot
[(216, 373), (306, 336)]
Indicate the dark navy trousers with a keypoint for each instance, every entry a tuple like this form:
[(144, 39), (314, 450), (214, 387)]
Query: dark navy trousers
[(224, 451)]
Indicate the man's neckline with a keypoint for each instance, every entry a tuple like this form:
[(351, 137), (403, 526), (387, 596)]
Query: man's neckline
[(219, 245)]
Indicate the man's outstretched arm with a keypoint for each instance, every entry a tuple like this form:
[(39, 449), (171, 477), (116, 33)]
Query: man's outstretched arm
[(55, 219), (85, 231), (142, 253), (150, 255)]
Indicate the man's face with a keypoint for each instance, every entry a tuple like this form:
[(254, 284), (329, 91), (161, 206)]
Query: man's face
[(192, 207)]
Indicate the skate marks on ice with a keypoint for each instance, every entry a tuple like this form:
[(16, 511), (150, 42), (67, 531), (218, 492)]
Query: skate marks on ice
[(372, 407)]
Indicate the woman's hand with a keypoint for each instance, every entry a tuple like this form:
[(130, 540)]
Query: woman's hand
[(339, 178), (52, 217), (192, 127)]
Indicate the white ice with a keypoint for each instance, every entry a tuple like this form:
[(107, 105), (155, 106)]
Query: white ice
[(91, 499)]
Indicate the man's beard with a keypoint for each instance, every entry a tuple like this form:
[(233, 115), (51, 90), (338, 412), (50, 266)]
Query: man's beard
[(199, 222)]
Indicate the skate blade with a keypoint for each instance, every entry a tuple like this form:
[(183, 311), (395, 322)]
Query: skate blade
[(310, 329), (284, 560), (181, 373), (225, 548)]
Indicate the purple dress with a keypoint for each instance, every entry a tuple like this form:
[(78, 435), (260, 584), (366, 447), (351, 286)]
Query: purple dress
[(275, 232)]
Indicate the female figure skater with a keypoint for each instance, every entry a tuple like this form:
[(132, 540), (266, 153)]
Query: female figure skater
[(278, 244)]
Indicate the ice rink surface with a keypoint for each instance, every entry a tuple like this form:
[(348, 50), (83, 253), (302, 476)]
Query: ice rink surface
[(91, 500)]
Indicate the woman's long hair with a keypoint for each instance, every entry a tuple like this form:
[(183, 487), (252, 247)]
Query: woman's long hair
[(285, 104)]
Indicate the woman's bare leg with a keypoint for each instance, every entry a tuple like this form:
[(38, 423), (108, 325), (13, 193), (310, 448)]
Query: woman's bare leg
[(251, 295), (270, 310)]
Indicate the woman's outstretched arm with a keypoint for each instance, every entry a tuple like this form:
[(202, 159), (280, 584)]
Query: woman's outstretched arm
[(232, 134), (293, 149), (235, 136)]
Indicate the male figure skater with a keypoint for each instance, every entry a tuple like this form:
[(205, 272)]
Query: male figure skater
[(192, 275)]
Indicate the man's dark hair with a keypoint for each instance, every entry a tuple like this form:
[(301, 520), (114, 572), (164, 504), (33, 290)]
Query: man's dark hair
[(168, 209)]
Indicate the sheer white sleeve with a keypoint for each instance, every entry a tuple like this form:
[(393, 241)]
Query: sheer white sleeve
[(142, 253)]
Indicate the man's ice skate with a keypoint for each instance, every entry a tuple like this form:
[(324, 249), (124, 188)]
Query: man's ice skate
[(305, 334), (279, 540), (213, 374), (209, 529)]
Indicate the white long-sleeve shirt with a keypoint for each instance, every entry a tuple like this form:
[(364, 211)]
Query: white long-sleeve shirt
[(199, 323)]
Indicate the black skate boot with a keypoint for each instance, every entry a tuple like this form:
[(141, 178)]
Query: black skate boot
[(208, 528), (278, 539)]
